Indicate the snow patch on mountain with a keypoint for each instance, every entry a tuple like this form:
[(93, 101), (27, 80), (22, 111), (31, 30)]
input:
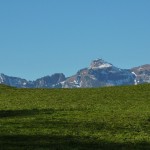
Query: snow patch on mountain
[(134, 73), (99, 64), (102, 66), (135, 80), (1, 79)]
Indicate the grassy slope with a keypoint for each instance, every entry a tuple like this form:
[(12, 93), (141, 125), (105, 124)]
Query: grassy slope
[(100, 118)]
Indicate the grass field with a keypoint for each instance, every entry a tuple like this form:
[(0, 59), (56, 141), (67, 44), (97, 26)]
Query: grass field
[(64, 119)]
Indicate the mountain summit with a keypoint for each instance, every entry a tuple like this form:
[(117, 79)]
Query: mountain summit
[(99, 64), (99, 73)]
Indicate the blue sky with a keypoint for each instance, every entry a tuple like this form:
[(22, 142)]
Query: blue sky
[(42, 37)]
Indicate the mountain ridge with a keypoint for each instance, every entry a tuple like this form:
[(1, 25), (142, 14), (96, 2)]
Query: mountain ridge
[(99, 73)]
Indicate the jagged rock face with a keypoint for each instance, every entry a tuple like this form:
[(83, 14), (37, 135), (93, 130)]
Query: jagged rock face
[(50, 81), (100, 73), (13, 81), (45, 82), (142, 74)]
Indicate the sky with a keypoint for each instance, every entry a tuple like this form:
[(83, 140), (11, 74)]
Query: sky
[(43, 37)]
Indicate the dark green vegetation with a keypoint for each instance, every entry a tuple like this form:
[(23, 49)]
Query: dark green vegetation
[(98, 118)]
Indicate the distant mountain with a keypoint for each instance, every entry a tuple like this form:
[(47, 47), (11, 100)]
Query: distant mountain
[(142, 74), (100, 73), (13, 81), (50, 81), (44, 82)]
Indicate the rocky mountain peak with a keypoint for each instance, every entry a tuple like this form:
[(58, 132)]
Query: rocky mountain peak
[(99, 64)]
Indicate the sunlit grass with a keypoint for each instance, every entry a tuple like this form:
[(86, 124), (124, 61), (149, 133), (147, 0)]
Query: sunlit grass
[(98, 118)]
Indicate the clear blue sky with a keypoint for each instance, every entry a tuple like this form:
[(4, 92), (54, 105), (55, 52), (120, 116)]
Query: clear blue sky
[(42, 37)]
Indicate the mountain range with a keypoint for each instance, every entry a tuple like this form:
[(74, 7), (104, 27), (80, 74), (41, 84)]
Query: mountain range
[(100, 73)]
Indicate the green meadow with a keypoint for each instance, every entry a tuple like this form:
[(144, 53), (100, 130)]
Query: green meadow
[(77, 119)]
